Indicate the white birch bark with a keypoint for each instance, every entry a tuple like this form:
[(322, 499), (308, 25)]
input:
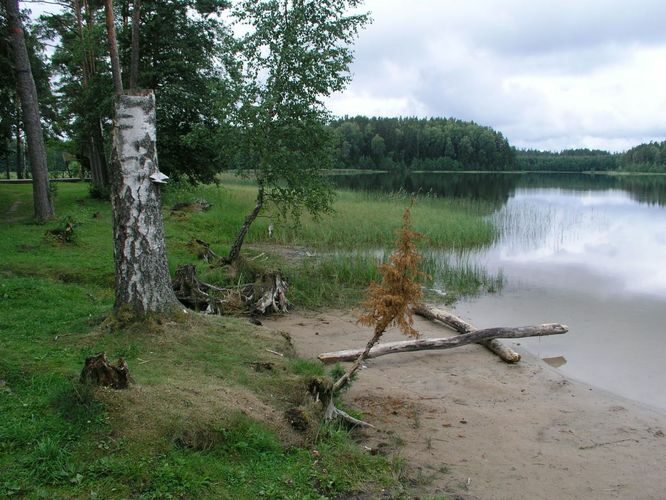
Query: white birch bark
[(142, 276)]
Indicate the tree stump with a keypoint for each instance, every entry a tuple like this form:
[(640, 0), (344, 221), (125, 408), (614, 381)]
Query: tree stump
[(98, 371)]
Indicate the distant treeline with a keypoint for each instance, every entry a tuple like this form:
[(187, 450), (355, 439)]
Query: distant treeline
[(649, 157), (413, 144), (569, 160), (419, 144)]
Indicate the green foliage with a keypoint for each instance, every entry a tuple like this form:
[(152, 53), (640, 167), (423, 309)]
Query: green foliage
[(649, 157), (11, 122), (396, 144), (569, 160), (182, 46), (293, 55)]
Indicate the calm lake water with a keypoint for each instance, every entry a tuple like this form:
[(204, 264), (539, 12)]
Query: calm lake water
[(586, 251)]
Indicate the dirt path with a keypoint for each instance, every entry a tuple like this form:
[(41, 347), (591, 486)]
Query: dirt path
[(10, 214), (470, 425)]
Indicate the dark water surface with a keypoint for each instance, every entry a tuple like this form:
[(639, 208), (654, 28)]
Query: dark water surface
[(585, 250)]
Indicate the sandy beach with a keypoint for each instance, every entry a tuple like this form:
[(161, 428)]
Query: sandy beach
[(471, 426)]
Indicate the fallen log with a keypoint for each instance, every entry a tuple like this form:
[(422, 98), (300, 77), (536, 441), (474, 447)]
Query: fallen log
[(461, 326), (446, 343)]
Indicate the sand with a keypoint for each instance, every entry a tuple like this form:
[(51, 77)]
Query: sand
[(471, 426)]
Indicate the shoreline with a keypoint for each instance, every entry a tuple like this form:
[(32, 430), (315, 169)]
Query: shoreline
[(468, 424), (531, 357)]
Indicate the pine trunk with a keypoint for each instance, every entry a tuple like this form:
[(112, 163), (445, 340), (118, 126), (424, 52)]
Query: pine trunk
[(31, 120), (8, 167), (20, 164), (113, 47), (134, 61), (99, 172), (98, 168), (143, 283)]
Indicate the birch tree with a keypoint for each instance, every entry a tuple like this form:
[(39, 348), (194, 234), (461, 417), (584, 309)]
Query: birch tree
[(294, 55), (143, 283)]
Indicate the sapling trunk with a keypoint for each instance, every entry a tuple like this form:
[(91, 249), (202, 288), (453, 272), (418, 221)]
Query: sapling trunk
[(234, 253)]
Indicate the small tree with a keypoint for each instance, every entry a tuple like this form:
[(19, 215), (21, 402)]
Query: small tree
[(389, 302), (295, 54)]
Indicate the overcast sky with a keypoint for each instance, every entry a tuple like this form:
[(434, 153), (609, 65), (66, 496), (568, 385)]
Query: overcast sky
[(547, 74)]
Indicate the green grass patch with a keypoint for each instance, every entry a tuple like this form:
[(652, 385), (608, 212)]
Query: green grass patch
[(200, 420), (331, 261)]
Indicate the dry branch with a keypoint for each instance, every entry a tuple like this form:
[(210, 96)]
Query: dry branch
[(461, 326), (446, 343)]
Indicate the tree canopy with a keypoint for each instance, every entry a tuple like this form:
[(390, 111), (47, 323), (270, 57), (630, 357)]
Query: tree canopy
[(419, 144)]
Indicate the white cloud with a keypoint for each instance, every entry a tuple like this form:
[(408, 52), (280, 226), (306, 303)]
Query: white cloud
[(550, 75)]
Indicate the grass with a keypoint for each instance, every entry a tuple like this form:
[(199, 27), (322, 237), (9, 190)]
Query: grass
[(185, 428), (198, 422), (345, 247)]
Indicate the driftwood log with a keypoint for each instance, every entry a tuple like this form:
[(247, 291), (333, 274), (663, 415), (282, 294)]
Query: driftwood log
[(267, 294), (446, 343), (98, 371), (461, 326)]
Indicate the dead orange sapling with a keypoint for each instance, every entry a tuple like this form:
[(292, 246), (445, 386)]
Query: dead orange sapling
[(389, 302)]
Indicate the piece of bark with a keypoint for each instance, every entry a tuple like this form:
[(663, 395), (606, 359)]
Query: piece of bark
[(447, 342), (461, 326), (98, 371)]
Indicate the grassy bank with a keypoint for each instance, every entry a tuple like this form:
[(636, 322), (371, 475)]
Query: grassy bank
[(332, 260), (200, 419)]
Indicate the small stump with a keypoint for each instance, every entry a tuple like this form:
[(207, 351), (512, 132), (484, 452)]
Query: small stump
[(98, 371)]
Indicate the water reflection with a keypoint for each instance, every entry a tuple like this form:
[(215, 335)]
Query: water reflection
[(592, 259), (584, 250), (498, 188), (605, 233)]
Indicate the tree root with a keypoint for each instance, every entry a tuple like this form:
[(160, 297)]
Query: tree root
[(266, 295), (321, 390)]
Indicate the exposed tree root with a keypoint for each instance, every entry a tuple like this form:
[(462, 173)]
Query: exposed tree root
[(322, 392), (264, 296)]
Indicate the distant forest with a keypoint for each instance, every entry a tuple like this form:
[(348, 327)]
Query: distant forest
[(649, 157), (427, 144), (419, 144), (569, 160)]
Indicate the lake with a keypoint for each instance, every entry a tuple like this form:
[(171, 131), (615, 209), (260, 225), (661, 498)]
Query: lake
[(588, 251)]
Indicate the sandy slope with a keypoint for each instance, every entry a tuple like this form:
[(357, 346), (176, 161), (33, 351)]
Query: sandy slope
[(471, 425)]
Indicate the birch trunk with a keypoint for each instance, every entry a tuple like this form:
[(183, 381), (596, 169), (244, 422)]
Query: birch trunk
[(234, 253), (142, 276), (25, 85)]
